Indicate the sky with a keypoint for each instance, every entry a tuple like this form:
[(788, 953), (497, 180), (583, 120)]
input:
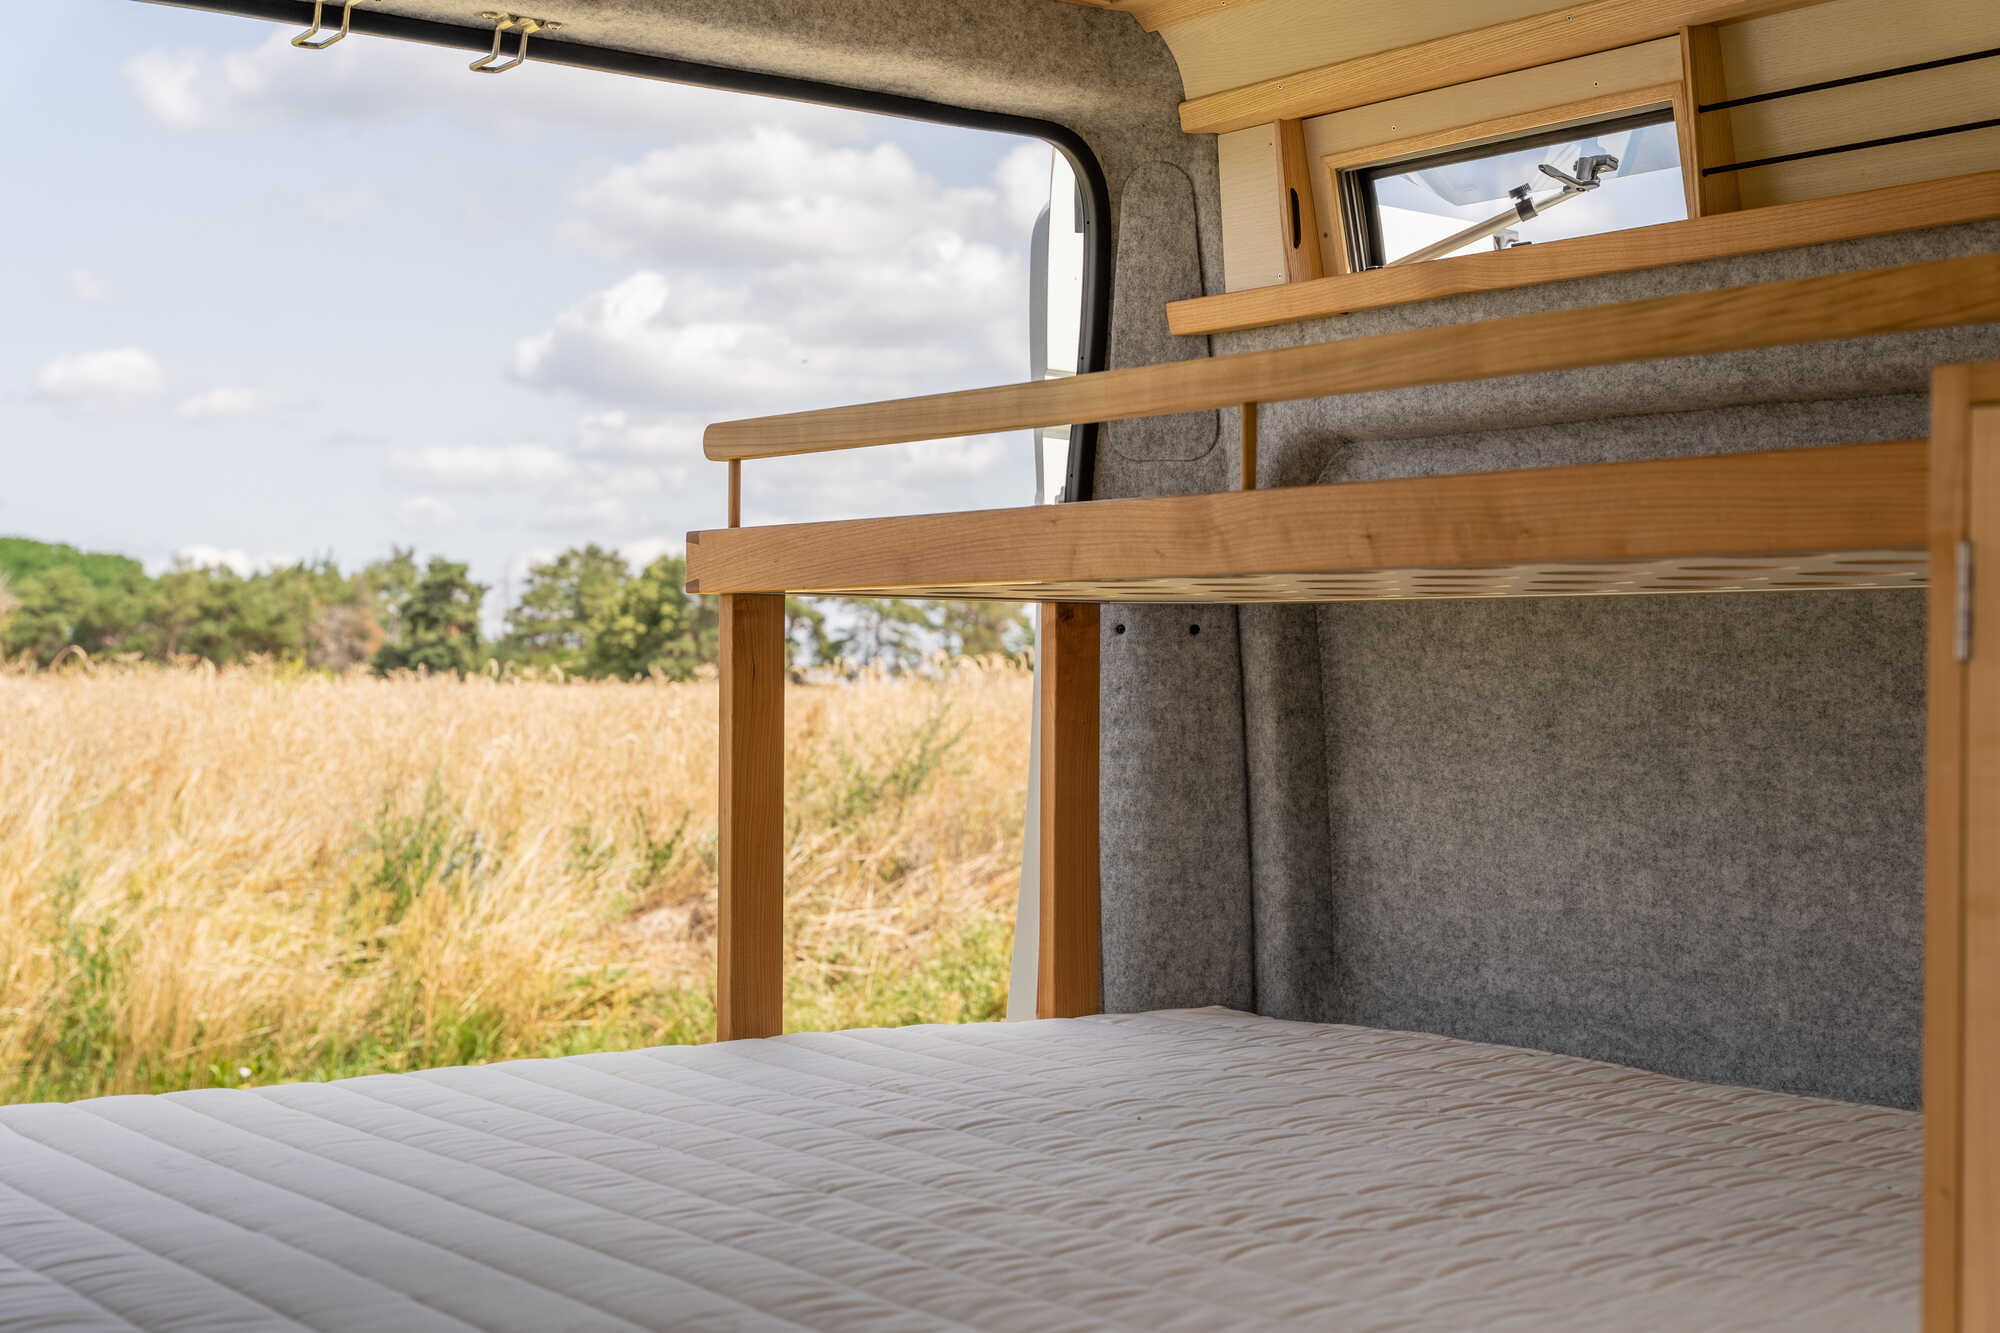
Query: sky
[(264, 304)]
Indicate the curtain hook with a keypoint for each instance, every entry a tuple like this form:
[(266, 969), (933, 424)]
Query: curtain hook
[(501, 22), (304, 39)]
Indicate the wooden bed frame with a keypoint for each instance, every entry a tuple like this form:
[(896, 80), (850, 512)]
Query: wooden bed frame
[(1891, 514)]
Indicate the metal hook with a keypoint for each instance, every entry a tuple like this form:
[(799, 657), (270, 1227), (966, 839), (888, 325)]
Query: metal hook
[(501, 22), (304, 39)]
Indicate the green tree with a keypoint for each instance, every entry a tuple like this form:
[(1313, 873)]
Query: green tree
[(982, 629), (654, 625), (564, 598), (437, 624)]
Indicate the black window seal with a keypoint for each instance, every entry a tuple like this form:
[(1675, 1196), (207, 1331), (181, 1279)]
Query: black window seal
[(1094, 339)]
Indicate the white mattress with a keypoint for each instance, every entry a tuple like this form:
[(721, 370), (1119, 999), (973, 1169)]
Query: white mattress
[(1184, 1170)]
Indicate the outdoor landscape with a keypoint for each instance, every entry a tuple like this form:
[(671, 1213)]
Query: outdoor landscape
[(305, 824)]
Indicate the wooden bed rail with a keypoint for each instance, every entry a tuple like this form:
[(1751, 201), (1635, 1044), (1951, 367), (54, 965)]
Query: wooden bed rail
[(1939, 294)]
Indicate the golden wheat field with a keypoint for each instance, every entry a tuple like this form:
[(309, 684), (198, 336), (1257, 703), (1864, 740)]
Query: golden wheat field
[(248, 876)]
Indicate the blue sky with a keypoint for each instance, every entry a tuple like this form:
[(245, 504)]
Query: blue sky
[(265, 303)]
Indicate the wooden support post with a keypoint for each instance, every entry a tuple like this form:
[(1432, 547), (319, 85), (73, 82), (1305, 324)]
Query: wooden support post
[(1249, 450), (1961, 1286), (1706, 138), (750, 915), (735, 492), (1070, 935)]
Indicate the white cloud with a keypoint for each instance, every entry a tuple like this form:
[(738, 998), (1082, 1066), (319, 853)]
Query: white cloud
[(220, 403), (88, 287), (778, 272), (239, 562), (424, 511), (483, 467), (117, 375)]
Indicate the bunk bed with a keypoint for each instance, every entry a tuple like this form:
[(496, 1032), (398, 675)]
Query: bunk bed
[(1186, 1169)]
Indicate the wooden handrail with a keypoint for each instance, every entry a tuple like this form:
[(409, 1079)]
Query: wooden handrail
[(1939, 294)]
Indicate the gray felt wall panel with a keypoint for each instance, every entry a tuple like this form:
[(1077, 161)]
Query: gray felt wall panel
[(1681, 832), (1161, 263), (1176, 890)]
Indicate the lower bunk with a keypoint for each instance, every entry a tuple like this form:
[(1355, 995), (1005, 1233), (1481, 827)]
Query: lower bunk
[(1186, 1169)]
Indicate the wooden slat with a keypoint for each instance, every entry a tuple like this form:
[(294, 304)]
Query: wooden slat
[(750, 852), (1845, 498), (1842, 305), (1067, 979), (1500, 48), (1979, 1116), (1943, 856), (1782, 226), (1578, 111)]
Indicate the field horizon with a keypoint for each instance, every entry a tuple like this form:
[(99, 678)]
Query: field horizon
[(251, 875)]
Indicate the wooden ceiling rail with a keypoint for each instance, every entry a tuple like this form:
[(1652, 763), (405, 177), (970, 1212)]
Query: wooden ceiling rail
[(1501, 48), (1940, 294)]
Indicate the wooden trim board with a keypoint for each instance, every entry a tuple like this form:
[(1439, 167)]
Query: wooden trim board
[(1864, 497), (1802, 310), (1842, 217), (1500, 48)]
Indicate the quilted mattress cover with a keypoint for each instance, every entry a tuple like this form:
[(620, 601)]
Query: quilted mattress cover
[(1193, 1169)]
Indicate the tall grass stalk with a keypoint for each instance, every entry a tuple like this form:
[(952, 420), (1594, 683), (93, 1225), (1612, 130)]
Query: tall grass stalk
[(246, 876)]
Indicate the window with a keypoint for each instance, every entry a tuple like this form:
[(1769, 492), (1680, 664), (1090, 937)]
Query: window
[(1548, 186)]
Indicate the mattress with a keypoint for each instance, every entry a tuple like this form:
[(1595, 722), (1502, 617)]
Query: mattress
[(1192, 1169)]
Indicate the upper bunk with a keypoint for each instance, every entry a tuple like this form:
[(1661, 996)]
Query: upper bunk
[(1845, 516)]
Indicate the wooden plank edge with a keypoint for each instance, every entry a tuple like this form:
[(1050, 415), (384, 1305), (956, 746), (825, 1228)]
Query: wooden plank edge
[(1500, 48), (1851, 304), (1841, 217), (1152, 15), (1813, 500)]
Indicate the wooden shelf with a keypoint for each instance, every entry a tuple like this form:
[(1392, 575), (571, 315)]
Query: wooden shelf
[(1941, 203), (1846, 516)]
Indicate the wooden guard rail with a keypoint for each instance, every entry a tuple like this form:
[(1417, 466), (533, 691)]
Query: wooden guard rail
[(1803, 310)]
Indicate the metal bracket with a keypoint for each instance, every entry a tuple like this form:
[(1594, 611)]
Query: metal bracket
[(502, 21), (1961, 635)]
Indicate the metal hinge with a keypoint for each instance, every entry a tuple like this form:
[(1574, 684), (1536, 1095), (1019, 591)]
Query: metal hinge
[(1961, 638)]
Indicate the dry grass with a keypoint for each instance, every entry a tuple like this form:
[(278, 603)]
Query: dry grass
[(247, 876)]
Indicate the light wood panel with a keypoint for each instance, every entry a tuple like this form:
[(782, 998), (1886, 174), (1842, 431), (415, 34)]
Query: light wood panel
[(1253, 254), (1501, 48), (1561, 115), (1155, 14), (1842, 38), (1944, 868), (1707, 138), (1872, 168), (1980, 909), (1811, 222), (1067, 981), (1867, 498), (1843, 305), (1275, 37), (750, 848)]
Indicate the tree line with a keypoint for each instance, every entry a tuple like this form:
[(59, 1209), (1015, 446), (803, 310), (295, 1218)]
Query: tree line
[(585, 612)]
